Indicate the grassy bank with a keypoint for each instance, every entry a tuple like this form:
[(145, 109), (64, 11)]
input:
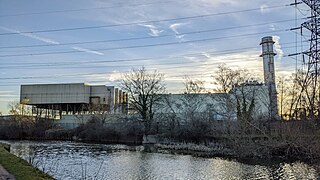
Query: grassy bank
[(19, 167)]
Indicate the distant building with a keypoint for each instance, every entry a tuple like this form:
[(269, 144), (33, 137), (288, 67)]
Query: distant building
[(255, 93), (215, 106), (55, 100), (186, 106)]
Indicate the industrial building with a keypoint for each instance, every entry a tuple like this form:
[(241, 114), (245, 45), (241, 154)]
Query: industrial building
[(269, 75), (55, 100), (58, 100), (215, 106)]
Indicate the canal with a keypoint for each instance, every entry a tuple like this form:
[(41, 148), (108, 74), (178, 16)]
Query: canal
[(69, 160)]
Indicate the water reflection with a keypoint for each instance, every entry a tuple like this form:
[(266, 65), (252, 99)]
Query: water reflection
[(68, 160)]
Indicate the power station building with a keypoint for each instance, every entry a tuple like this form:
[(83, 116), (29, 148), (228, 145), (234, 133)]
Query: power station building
[(55, 100), (222, 106)]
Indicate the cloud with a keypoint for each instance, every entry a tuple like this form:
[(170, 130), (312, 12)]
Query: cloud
[(214, 3), (46, 40), (277, 48), (174, 28), (264, 8), (207, 55), (110, 77), (87, 50), (7, 94), (49, 41), (115, 76), (154, 31), (272, 27)]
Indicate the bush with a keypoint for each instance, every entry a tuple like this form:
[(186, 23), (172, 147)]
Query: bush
[(25, 128), (96, 131)]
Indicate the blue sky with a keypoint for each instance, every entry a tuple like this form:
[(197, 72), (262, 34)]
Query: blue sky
[(169, 36)]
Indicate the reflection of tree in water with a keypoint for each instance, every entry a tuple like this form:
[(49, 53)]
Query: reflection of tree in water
[(65, 160)]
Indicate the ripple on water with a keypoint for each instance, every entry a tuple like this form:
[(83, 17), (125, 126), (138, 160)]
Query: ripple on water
[(68, 160)]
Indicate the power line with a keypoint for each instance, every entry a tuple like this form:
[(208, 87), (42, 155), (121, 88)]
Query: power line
[(188, 73), (71, 62), (45, 65), (221, 52), (141, 22), (113, 66), (83, 9), (104, 73), (77, 75), (143, 46), (86, 74), (146, 37)]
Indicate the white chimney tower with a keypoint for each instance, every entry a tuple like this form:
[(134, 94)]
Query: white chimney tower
[(269, 75)]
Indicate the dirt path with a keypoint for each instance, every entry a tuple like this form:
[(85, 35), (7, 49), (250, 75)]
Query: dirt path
[(4, 175)]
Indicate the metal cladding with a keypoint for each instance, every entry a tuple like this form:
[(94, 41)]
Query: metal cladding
[(76, 98), (54, 93), (269, 74)]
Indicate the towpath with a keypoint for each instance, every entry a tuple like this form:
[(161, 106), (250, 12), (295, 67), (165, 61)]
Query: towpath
[(4, 175)]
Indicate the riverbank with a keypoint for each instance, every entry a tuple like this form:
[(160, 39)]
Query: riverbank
[(261, 156), (196, 150), (5, 175), (20, 168)]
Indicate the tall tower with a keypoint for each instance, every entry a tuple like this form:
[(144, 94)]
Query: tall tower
[(312, 78), (269, 75)]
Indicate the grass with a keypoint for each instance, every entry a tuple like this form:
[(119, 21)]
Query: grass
[(20, 168)]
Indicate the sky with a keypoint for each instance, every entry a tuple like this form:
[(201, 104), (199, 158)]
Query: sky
[(95, 41)]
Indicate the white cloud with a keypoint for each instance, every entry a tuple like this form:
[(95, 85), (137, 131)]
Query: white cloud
[(264, 8), (195, 59), (277, 48), (115, 76), (87, 50), (154, 31), (272, 27), (49, 41), (207, 55), (174, 27), (215, 3), (6, 92), (7, 95), (46, 40)]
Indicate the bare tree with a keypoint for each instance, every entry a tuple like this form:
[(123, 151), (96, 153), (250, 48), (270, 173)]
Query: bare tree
[(19, 109), (287, 96), (226, 79), (194, 107), (184, 114), (240, 98), (143, 89), (308, 98), (192, 100)]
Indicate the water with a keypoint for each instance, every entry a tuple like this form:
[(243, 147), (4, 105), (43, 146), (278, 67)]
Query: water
[(68, 160)]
